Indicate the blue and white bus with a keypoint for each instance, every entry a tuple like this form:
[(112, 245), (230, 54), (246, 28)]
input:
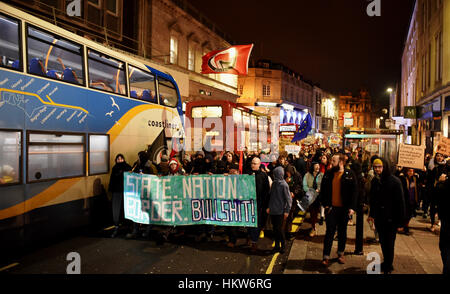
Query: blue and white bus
[(68, 105)]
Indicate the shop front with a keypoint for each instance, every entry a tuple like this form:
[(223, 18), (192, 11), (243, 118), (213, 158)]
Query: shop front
[(430, 124)]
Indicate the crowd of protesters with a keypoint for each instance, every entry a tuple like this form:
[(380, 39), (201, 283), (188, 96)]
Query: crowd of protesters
[(333, 185)]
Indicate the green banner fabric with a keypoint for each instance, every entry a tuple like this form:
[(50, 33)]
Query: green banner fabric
[(191, 200)]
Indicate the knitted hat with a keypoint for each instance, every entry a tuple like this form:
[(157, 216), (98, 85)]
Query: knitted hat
[(164, 158), (378, 162)]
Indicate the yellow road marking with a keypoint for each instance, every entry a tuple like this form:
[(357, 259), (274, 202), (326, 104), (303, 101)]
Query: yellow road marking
[(9, 266), (272, 264)]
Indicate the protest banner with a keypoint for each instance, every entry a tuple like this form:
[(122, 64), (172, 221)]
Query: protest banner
[(191, 200), (411, 156), (444, 146)]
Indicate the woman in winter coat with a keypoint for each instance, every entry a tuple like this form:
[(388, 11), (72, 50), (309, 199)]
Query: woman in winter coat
[(312, 181), (116, 188)]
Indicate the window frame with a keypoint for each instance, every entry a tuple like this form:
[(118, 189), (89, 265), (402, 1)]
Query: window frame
[(53, 144), (89, 154), (20, 22), (82, 54), (113, 58), (20, 181)]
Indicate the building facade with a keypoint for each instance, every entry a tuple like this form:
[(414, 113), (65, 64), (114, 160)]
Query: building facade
[(433, 73), (356, 112)]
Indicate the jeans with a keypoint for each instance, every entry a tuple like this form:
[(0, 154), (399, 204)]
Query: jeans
[(278, 232), (336, 218), (387, 233)]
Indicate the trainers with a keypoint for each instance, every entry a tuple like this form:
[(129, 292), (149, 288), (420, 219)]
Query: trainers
[(326, 262), (358, 253), (312, 233), (341, 259)]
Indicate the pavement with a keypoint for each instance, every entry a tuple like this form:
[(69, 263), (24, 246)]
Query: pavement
[(417, 253)]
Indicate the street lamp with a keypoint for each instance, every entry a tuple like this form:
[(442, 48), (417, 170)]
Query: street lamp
[(389, 90)]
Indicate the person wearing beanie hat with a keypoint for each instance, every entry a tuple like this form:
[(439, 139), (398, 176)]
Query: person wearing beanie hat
[(174, 168), (163, 166)]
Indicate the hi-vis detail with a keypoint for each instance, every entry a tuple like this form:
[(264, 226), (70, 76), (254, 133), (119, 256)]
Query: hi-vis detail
[(233, 60)]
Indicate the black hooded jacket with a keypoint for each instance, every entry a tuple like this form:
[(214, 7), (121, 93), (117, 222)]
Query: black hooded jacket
[(387, 202)]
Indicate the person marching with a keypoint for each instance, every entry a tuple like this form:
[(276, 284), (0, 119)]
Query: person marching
[(262, 200), (279, 206), (387, 210), (411, 185), (338, 195), (116, 188), (312, 181)]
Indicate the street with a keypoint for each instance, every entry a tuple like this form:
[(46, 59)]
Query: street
[(100, 254)]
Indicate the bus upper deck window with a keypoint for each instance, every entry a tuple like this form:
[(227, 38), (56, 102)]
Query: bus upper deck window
[(9, 43), (106, 73), (54, 57), (167, 93), (142, 84)]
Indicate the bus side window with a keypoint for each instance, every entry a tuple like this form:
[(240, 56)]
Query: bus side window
[(54, 57), (9, 43), (142, 84), (167, 93), (10, 144), (106, 73)]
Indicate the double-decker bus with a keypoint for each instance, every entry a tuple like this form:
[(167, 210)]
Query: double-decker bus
[(68, 105), (241, 127)]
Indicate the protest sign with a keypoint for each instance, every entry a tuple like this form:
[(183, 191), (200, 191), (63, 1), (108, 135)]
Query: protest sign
[(191, 200), (444, 146), (292, 149), (411, 156)]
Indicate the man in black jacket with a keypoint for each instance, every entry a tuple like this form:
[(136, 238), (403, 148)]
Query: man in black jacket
[(338, 194), (387, 210), (262, 200)]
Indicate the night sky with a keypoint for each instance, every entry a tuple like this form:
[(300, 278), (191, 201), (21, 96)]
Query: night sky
[(331, 42)]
